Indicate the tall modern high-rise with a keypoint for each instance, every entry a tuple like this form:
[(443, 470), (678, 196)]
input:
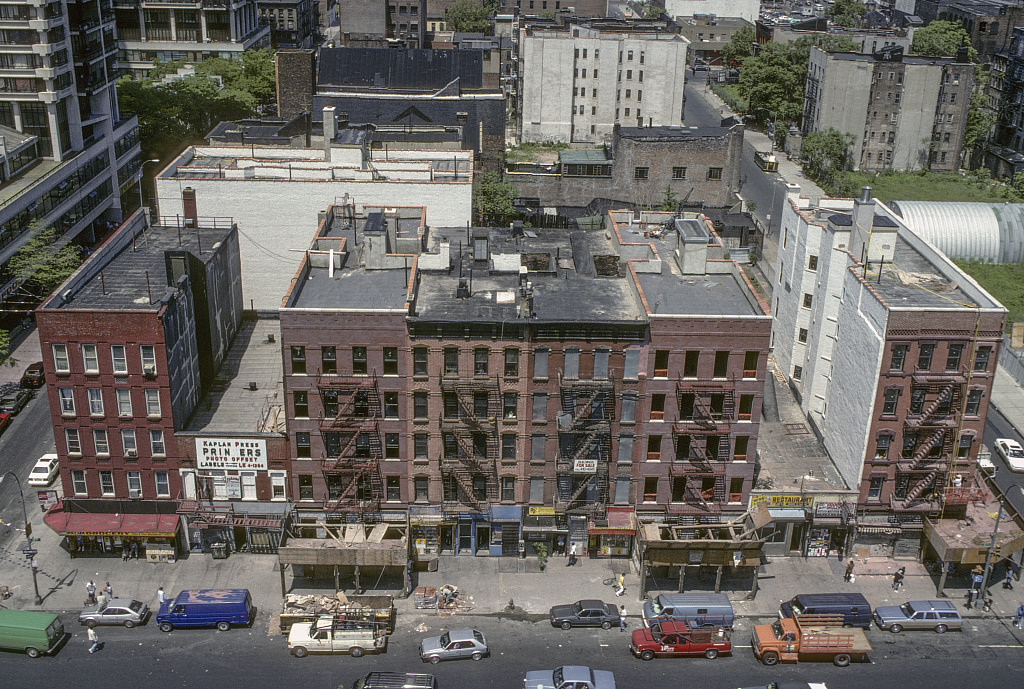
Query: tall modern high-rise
[(67, 157)]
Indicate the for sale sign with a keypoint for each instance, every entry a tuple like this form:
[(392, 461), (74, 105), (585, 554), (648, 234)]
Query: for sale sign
[(231, 453)]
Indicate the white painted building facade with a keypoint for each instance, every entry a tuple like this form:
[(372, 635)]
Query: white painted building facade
[(578, 82)]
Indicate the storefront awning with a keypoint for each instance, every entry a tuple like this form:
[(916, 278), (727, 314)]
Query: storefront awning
[(891, 530), (100, 524), (615, 522), (787, 514)]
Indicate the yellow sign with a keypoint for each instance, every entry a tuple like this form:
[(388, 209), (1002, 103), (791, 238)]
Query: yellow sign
[(796, 501), (541, 511)]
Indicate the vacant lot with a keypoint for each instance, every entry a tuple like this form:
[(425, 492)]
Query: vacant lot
[(1005, 282)]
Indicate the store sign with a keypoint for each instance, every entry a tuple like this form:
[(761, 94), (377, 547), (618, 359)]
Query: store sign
[(541, 511), (231, 453), (584, 466), (47, 499), (794, 501)]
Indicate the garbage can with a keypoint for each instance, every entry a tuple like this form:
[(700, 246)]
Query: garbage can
[(219, 550)]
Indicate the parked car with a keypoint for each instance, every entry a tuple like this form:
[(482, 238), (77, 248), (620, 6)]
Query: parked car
[(569, 677), (34, 376), (124, 611), (5, 421), (854, 607), (585, 613), (44, 471), (457, 643), (220, 608), (938, 615), (676, 639), (15, 401), (1010, 450)]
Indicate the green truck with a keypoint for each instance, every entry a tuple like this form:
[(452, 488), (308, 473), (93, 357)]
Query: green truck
[(35, 633)]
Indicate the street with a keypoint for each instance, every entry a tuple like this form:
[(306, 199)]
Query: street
[(251, 658)]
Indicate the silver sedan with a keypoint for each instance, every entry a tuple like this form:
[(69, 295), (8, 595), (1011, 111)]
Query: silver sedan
[(118, 611), (457, 643)]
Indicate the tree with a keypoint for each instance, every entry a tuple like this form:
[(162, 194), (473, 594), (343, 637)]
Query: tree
[(669, 201), (471, 16), (738, 48), (846, 12), (980, 119), (38, 266), (827, 152), (5, 349), (942, 38), (494, 194)]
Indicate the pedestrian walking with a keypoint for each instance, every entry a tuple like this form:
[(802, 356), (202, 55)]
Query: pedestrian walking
[(561, 545), (897, 578), (849, 571), (90, 594), (1018, 620), (95, 639), (109, 590), (161, 597), (1008, 581), (620, 587), (572, 554), (622, 618)]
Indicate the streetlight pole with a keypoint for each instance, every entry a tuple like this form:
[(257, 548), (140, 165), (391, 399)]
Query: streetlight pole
[(142, 173), (775, 124), (992, 543), (29, 551)]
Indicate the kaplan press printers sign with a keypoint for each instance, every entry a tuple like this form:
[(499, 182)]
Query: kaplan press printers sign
[(231, 453)]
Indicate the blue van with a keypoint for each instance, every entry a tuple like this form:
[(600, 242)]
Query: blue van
[(218, 608), (854, 607), (695, 609)]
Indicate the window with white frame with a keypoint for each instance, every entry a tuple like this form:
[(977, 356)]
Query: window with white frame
[(60, 358), (78, 482), (277, 485), (99, 441), (106, 482), (67, 401), (131, 449), (220, 485), (156, 441), (90, 359), (148, 354), (134, 483), (152, 402), (124, 401), (119, 358), (162, 483), (95, 401), (73, 441)]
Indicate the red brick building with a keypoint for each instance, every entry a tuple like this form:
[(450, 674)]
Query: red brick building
[(498, 386)]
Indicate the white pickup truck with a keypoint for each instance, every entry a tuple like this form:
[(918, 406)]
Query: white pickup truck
[(329, 635)]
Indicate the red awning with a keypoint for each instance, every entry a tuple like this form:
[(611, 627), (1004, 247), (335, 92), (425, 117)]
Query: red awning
[(87, 524)]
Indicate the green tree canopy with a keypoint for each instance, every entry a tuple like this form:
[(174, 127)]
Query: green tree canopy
[(494, 194), (827, 152), (738, 48), (942, 39), (473, 16), (846, 12), (5, 349), (39, 266)]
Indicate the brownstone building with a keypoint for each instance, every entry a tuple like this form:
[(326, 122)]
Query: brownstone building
[(500, 387)]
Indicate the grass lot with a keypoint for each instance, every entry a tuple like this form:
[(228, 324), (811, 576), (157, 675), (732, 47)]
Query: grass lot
[(915, 186), (730, 93), (535, 152), (1004, 282)]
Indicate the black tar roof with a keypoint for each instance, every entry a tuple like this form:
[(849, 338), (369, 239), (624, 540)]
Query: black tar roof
[(389, 68), (671, 132)]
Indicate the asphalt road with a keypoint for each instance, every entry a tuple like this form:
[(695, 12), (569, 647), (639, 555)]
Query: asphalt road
[(29, 436), (147, 658), (996, 426)]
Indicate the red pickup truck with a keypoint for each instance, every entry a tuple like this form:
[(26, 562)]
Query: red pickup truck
[(674, 639)]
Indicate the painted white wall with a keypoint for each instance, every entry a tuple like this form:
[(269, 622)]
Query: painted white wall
[(278, 218), (745, 9)]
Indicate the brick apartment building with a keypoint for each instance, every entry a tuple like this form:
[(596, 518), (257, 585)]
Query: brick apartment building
[(892, 351), (131, 342), (493, 386)]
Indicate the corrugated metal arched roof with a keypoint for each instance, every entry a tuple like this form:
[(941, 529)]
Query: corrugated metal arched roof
[(990, 232)]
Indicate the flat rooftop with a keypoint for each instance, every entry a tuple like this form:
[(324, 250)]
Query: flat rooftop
[(136, 277), (574, 276), (232, 405)]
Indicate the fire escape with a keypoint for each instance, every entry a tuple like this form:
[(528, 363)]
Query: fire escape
[(349, 426), (706, 412), (919, 475), (469, 426), (584, 445)]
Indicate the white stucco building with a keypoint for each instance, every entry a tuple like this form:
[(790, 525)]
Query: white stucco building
[(745, 9), (578, 81)]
